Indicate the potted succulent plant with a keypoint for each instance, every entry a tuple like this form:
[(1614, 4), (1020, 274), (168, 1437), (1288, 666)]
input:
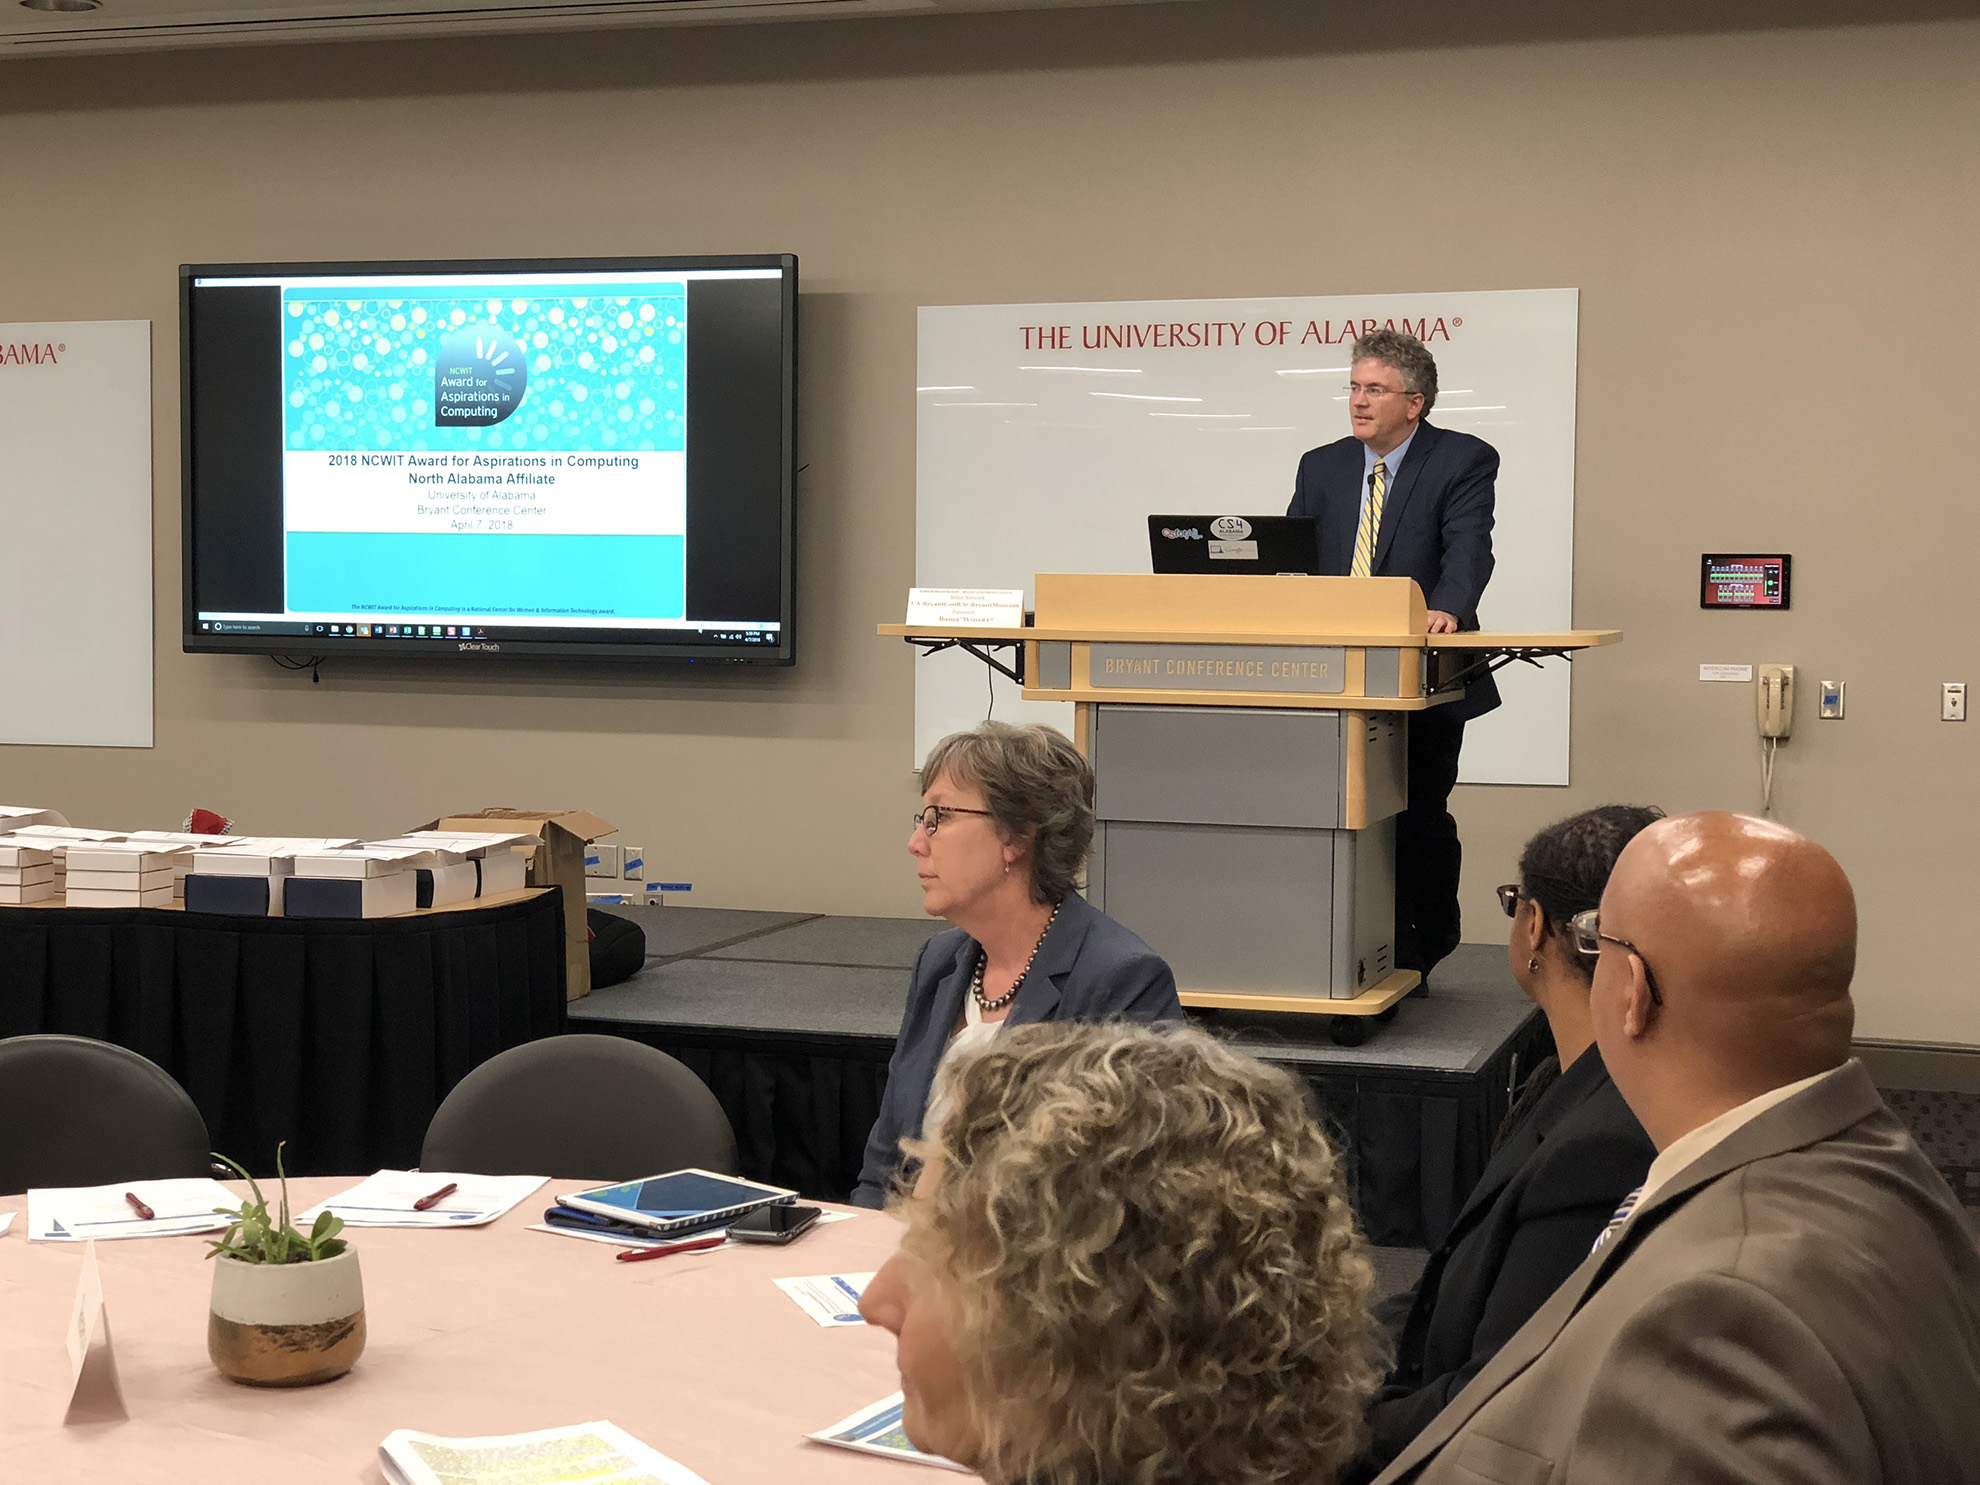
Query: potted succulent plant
[(288, 1306)]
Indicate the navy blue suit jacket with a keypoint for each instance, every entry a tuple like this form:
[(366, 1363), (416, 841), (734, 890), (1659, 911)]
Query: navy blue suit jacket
[(1544, 1198), (1436, 524), (1089, 968)]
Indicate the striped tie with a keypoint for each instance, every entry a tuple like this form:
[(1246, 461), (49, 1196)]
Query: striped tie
[(1371, 522), (1616, 1222)]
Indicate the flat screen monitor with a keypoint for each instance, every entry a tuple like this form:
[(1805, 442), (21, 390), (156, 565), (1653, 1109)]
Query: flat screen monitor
[(485, 459)]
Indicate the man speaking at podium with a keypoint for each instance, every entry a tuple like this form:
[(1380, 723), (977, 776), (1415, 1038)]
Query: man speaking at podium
[(1401, 498)]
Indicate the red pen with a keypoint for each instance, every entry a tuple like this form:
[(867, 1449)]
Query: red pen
[(144, 1212), (636, 1255), (428, 1203)]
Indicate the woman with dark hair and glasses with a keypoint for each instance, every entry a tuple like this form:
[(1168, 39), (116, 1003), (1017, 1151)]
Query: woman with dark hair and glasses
[(1005, 823), (1569, 1151)]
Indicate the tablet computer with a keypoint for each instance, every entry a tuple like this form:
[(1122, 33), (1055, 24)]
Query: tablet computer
[(678, 1201)]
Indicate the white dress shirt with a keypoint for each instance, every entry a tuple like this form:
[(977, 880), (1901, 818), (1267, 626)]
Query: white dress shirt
[(1688, 1148)]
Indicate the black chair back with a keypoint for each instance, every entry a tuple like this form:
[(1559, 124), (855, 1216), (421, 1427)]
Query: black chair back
[(580, 1107), (77, 1112)]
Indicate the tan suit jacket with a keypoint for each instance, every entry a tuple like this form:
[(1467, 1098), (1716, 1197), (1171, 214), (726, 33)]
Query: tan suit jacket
[(1800, 1304)]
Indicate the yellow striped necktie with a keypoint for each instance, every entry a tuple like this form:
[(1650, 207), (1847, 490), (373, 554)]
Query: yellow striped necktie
[(1371, 522)]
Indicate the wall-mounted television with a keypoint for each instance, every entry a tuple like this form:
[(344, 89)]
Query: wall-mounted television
[(483, 459)]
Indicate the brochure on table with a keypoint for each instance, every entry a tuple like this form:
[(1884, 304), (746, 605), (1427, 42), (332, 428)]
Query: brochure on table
[(76, 1214), (877, 1430), (581, 1454), (390, 1197), (830, 1299)]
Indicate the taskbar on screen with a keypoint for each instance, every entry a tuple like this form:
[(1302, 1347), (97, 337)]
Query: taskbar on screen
[(493, 634)]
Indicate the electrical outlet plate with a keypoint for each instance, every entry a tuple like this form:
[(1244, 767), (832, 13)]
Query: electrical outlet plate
[(1952, 701), (1831, 693), (1774, 700)]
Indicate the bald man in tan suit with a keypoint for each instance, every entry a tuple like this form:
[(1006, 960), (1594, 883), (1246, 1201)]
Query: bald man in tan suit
[(1795, 1296)]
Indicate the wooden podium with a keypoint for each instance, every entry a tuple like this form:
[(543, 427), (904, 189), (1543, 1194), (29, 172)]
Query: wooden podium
[(1248, 740)]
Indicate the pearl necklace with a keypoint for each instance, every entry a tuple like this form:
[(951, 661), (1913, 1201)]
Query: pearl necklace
[(976, 983)]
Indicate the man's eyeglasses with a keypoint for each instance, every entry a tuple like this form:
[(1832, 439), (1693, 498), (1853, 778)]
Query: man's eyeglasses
[(933, 818), (1362, 389), (1509, 898), (1589, 938)]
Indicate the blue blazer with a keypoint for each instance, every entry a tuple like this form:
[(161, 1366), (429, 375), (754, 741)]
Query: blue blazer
[(1436, 524), (1089, 968)]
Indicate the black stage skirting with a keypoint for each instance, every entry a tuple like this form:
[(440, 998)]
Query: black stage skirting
[(340, 1037), (791, 1019)]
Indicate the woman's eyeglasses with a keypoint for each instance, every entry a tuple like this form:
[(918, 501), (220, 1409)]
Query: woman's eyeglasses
[(1509, 896), (936, 815)]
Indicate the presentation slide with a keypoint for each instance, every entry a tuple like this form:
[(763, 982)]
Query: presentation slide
[(500, 451)]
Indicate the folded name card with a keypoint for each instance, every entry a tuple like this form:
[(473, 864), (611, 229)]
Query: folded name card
[(972, 608), (96, 1395)]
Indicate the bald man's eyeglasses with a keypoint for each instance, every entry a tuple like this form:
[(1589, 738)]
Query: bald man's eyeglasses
[(1589, 938)]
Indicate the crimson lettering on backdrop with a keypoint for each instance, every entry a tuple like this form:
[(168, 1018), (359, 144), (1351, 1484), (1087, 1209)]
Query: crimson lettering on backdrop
[(1048, 433)]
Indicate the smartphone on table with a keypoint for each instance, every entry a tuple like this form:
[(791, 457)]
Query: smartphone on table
[(774, 1224)]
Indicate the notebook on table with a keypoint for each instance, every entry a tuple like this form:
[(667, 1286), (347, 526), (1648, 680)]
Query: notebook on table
[(678, 1201)]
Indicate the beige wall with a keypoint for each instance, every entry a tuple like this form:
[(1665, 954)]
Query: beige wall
[(1772, 234)]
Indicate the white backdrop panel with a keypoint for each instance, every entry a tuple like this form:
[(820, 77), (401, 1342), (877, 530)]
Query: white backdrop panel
[(75, 533), (1049, 432)]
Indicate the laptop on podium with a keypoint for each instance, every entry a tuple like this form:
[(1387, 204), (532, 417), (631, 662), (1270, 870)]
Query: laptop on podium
[(1242, 544)]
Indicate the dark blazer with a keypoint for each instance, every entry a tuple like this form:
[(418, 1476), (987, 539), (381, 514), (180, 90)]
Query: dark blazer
[(1089, 968), (1800, 1303), (1436, 524), (1545, 1197)]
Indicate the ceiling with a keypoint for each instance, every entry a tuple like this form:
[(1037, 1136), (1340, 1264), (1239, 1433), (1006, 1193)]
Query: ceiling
[(157, 25)]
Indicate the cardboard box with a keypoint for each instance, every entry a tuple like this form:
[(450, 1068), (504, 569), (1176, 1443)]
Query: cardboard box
[(24, 858), (28, 894), (27, 876), (555, 860)]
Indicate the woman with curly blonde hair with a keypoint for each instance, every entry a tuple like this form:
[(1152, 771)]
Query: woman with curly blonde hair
[(1129, 1258)]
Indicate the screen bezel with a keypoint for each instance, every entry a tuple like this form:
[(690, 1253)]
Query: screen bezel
[(1706, 561), (784, 653)]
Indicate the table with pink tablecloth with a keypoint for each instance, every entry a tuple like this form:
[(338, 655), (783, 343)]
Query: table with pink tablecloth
[(473, 1331)]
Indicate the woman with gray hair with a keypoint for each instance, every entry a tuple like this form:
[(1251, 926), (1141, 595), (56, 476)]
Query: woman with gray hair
[(998, 844)]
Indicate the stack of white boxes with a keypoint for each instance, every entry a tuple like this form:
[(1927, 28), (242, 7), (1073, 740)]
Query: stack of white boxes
[(179, 840), (121, 874), (27, 874), (244, 876), (56, 840)]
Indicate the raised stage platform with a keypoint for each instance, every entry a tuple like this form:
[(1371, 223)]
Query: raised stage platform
[(790, 1018)]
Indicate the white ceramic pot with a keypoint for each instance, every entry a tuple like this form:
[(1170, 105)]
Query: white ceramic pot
[(286, 1324)]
